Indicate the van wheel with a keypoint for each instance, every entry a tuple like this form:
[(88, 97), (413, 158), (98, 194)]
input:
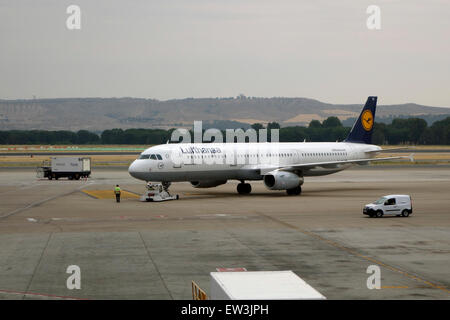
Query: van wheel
[(379, 214), (405, 213)]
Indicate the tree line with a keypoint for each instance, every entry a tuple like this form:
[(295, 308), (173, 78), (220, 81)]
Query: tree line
[(400, 131)]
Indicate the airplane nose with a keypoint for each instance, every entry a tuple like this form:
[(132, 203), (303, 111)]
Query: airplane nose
[(138, 170), (132, 169)]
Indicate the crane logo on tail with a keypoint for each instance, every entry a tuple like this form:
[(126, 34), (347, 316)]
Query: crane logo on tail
[(367, 120)]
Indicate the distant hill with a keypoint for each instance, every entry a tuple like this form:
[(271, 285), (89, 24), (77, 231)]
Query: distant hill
[(97, 114)]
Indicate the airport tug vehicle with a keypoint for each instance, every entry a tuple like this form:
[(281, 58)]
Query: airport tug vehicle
[(394, 204), (157, 192)]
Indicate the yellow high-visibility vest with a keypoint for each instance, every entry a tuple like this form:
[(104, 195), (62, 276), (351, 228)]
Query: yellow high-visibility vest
[(117, 190)]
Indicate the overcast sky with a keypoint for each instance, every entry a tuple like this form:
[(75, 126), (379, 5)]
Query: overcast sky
[(168, 49)]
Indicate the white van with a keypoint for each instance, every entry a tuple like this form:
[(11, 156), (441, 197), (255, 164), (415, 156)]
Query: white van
[(394, 204)]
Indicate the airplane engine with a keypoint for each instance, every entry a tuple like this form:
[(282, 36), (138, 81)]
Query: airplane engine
[(282, 180), (207, 183)]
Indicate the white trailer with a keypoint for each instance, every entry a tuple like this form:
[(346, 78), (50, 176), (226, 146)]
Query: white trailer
[(261, 285), (70, 167)]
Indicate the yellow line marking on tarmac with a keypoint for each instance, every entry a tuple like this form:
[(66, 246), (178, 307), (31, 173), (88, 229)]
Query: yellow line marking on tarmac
[(353, 252), (109, 194)]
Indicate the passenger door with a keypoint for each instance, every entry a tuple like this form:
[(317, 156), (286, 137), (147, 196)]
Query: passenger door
[(391, 207), (160, 162), (177, 160)]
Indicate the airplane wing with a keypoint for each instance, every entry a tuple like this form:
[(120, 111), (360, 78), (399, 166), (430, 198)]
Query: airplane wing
[(388, 150), (329, 164)]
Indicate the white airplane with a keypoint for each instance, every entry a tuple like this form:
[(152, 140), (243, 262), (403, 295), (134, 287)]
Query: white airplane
[(282, 166)]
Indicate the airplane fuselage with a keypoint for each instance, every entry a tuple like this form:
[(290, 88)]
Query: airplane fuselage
[(242, 161)]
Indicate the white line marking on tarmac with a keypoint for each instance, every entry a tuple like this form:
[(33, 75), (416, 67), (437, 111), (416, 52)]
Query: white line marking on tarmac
[(28, 186), (36, 203), (32, 294)]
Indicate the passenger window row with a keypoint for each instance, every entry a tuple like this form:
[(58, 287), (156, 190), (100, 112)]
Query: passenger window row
[(244, 155), (158, 156), (325, 154)]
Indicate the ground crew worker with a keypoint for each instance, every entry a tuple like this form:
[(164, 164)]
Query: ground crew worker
[(117, 192)]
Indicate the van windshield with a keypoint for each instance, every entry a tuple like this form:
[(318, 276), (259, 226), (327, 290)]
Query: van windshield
[(380, 201)]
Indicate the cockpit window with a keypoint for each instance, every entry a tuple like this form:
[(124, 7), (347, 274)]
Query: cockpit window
[(150, 156)]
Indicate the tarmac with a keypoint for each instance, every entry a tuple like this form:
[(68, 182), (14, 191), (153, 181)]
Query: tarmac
[(140, 250)]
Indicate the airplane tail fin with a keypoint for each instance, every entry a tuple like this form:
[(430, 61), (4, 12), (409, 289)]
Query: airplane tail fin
[(363, 127)]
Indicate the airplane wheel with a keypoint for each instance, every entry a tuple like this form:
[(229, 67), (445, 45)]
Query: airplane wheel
[(294, 191), (244, 188)]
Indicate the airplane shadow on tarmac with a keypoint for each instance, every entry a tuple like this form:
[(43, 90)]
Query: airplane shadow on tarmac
[(328, 192)]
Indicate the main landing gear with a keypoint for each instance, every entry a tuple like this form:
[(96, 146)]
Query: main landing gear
[(294, 191), (244, 188)]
